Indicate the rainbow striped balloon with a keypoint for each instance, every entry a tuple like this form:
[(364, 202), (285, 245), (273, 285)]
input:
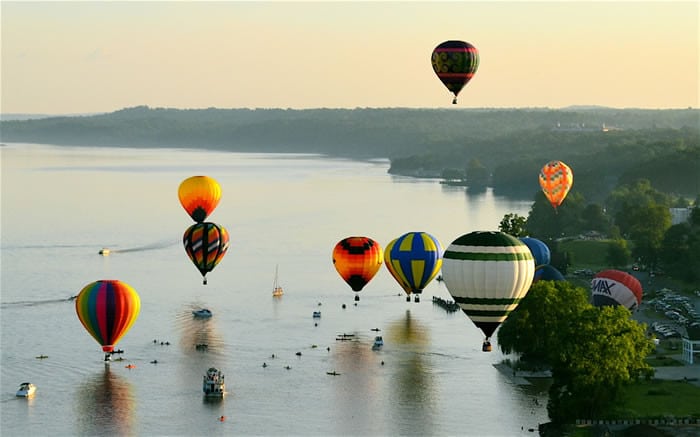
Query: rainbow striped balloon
[(107, 309)]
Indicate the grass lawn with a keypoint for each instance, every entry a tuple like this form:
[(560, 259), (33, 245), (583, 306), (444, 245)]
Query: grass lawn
[(659, 398)]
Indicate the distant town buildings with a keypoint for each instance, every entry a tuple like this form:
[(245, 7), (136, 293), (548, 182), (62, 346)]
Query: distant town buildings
[(680, 215), (581, 127)]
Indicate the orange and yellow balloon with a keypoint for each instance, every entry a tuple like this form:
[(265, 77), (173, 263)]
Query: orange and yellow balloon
[(556, 179), (107, 309), (357, 260), (199, 195)]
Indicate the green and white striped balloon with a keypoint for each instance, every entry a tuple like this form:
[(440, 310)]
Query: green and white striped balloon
[(487, 274)]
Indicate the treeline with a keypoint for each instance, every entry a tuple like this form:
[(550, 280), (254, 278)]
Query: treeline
[(604, 146)]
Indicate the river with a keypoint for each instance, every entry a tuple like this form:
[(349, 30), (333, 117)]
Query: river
[(61, 205)]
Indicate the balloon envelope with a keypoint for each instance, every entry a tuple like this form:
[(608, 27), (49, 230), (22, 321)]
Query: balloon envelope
[(387, 262), (357, 260), (614, 287), (205, 244), (455, 63), (547, 273), (540, 251), (556, 179), (414, 259), (107, 309), (487, 274), (199, 195)]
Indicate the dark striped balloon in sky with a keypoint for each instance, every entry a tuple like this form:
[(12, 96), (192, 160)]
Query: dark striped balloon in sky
[(455, 63)]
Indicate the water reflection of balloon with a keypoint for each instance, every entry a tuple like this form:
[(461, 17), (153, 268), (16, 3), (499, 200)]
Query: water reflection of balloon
[(455, 63), (357, 260), (205, 244), (614, 287), (412, 378), (414, 259), (106, 405), (556, 179), (199, 195), (107, 309), (487, 274)]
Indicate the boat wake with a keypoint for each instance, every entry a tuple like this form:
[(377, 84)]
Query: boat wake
[(153, 246), (32, 303)]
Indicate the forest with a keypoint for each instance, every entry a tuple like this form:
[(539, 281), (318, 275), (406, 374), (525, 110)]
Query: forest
[(501, 148)]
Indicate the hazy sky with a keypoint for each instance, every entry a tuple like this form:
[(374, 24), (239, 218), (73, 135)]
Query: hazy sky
[(78, 57)]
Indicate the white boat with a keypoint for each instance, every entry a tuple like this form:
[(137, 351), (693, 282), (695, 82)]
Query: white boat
[(378, 342), (104, 251), (203, 313), (213, 383), (276, 287), (26, 389)]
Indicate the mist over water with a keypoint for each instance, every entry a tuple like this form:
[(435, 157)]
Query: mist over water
[(61, 205)]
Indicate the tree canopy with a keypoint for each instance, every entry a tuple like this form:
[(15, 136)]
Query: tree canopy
[(591, 351)]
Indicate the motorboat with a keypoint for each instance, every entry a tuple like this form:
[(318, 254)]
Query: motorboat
[(378, 342), (26, 389), (213, 383), (202, 313), (104, 251), (317, 314)]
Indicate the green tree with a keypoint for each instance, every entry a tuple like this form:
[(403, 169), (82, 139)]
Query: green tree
[(595, 219), (680, 248), (545, 222), (477, 174), (605, 349), (514, 225), (643, 216), (591, 351), (532, 330), (618, 253)]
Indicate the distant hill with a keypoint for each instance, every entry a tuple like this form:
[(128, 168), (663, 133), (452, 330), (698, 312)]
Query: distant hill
[(601, 144)]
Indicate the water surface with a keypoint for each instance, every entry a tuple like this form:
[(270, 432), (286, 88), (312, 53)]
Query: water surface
[(61, 205)]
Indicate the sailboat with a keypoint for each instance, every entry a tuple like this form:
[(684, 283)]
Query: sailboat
[(276, 288)]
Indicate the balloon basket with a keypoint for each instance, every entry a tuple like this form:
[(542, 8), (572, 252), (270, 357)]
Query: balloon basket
[(486, 346)]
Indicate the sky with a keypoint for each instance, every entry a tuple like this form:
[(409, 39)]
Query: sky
[(86, 57)]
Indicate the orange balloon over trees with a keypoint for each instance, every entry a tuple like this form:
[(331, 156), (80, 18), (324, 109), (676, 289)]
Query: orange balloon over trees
[(556, 179)]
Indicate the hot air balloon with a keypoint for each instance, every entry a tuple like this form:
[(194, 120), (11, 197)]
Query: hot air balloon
[(455, 63), (547, 273), (556, 179), (199, 195), (206, 244), (387, 262), (357, 260), (414, 259), (487, 274), (540, 251), (107, 309), (614, 287)]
